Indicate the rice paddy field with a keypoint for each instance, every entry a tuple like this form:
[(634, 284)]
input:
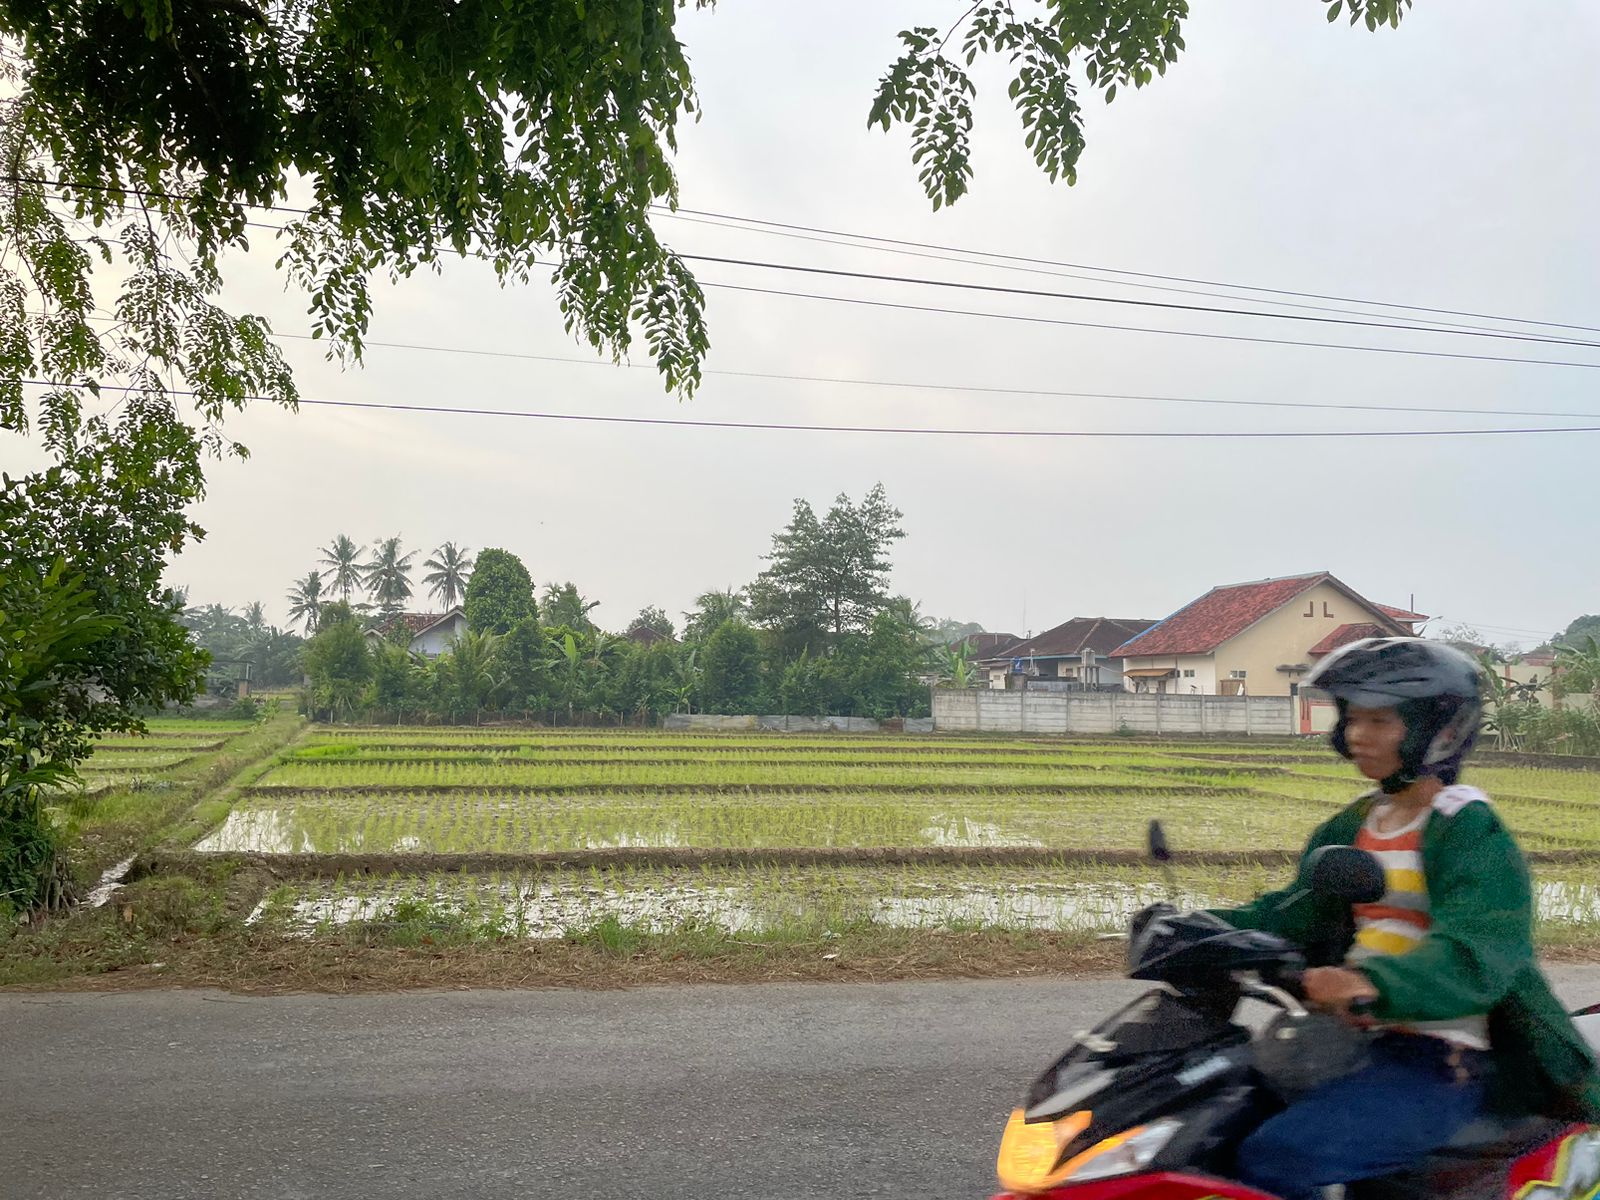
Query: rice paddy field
[(537, 833)]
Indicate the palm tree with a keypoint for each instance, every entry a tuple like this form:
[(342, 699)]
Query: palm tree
[(343, 560), (388, 575), (447, 574), (305, 600), (255, 617)]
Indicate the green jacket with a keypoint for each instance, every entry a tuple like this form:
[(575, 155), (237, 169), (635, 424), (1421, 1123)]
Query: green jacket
[(1476, 958)]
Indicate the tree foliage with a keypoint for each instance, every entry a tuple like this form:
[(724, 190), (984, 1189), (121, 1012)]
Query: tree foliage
[(563, 604), (730, 669), (1050, 45), (655, 619), (342, 560), (387, 575), (448, 571), (500, 593), (711, 609), (305, 600), (828, 576)]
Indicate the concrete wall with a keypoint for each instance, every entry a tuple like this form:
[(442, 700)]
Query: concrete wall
[(980, 710), (715, 722)]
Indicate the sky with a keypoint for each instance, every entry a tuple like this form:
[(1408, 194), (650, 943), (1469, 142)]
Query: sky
[(1448, 164)]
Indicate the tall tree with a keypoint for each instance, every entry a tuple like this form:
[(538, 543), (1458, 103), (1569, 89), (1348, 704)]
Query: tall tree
[(730, 669), (563, 604), (387, 576), (448, 570), (342, 558), (712, 609), (829, 575), (255, 617), (305, 600), (500, 593), (339, 663)]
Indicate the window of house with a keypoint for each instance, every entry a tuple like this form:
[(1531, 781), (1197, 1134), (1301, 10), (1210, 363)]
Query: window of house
[(1188, 672), (1238, 674)]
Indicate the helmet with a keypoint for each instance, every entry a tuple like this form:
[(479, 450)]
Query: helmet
[(1435, 688)]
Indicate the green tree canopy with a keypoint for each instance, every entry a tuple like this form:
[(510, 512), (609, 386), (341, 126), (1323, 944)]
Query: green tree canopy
[(1580, 628), (730, 669), (500, 593), (342, 558), (654, 619), (447, 575), (711, 609), (829, 575), (338, 662), (564, 605), (387, 576)]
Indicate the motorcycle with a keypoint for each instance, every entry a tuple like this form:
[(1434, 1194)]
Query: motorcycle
[(1153, 1102)]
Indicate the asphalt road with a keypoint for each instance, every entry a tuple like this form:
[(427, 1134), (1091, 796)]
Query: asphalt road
[(747, 1092)]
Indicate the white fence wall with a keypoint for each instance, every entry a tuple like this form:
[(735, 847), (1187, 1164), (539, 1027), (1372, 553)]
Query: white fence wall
[(982, 710), (714, 722)]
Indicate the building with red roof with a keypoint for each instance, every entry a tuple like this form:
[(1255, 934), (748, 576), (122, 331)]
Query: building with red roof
[(427, 634), (1074, 655), (1257, 638)]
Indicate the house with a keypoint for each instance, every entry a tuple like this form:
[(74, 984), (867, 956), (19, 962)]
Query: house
[(982, 646), (1076, 655), (432, 634), (1258, 638), (644, 635)]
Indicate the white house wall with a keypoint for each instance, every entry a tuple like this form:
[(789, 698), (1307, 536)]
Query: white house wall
[(439, 639)]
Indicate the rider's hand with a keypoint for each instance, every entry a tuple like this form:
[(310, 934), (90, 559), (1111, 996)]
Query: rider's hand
[(1337, 988)]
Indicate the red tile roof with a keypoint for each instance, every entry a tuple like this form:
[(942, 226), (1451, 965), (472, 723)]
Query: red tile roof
[(1346, 634), (1072, 638), (1404, 615), (1224, 612), (415, 622), (985, 645)]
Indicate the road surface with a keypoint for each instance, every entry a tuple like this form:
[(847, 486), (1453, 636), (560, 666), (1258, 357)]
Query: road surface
[(748, 1092)]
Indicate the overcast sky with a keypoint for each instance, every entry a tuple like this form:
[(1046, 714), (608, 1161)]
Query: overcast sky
[(1449, 164)]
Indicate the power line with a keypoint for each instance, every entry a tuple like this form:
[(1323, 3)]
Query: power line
[(1449, 312), (1211, 310), (1049, 272), (1188, 333), (980, 389), (687, 213), (796, 427)]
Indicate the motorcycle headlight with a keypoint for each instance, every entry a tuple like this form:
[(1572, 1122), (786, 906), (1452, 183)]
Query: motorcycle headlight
[(1030, 1154)]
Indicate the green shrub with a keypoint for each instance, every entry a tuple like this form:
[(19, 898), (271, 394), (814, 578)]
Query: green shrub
[(172, 905)]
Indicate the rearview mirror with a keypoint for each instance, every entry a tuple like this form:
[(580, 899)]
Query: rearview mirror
[(1346, 873)]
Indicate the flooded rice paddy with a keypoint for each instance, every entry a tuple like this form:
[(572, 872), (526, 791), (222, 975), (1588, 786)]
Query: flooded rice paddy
[(390, 793)]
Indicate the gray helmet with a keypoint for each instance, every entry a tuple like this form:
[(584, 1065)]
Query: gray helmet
[(1436, 689)]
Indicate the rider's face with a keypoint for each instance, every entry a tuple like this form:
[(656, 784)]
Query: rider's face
[(1374, 736)]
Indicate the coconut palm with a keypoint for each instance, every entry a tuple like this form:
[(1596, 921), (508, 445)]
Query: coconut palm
[(388, 575), (305, 600), (342, 557), (255, 617), (447, 574)]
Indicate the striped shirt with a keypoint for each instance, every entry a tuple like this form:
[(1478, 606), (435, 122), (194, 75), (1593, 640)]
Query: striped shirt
[(1398, 922)]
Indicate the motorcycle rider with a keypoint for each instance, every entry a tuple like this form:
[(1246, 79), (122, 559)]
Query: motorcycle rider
[(1442, 966)]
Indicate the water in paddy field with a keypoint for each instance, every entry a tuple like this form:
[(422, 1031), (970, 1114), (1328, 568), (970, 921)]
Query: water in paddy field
[(549, 911)]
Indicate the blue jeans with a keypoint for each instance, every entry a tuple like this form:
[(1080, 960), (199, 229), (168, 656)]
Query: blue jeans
[(1404, 1104)]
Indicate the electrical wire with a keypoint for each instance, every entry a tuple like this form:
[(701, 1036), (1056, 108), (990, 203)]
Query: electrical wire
[(1449, 312), (1187, 333), (797, 427)]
